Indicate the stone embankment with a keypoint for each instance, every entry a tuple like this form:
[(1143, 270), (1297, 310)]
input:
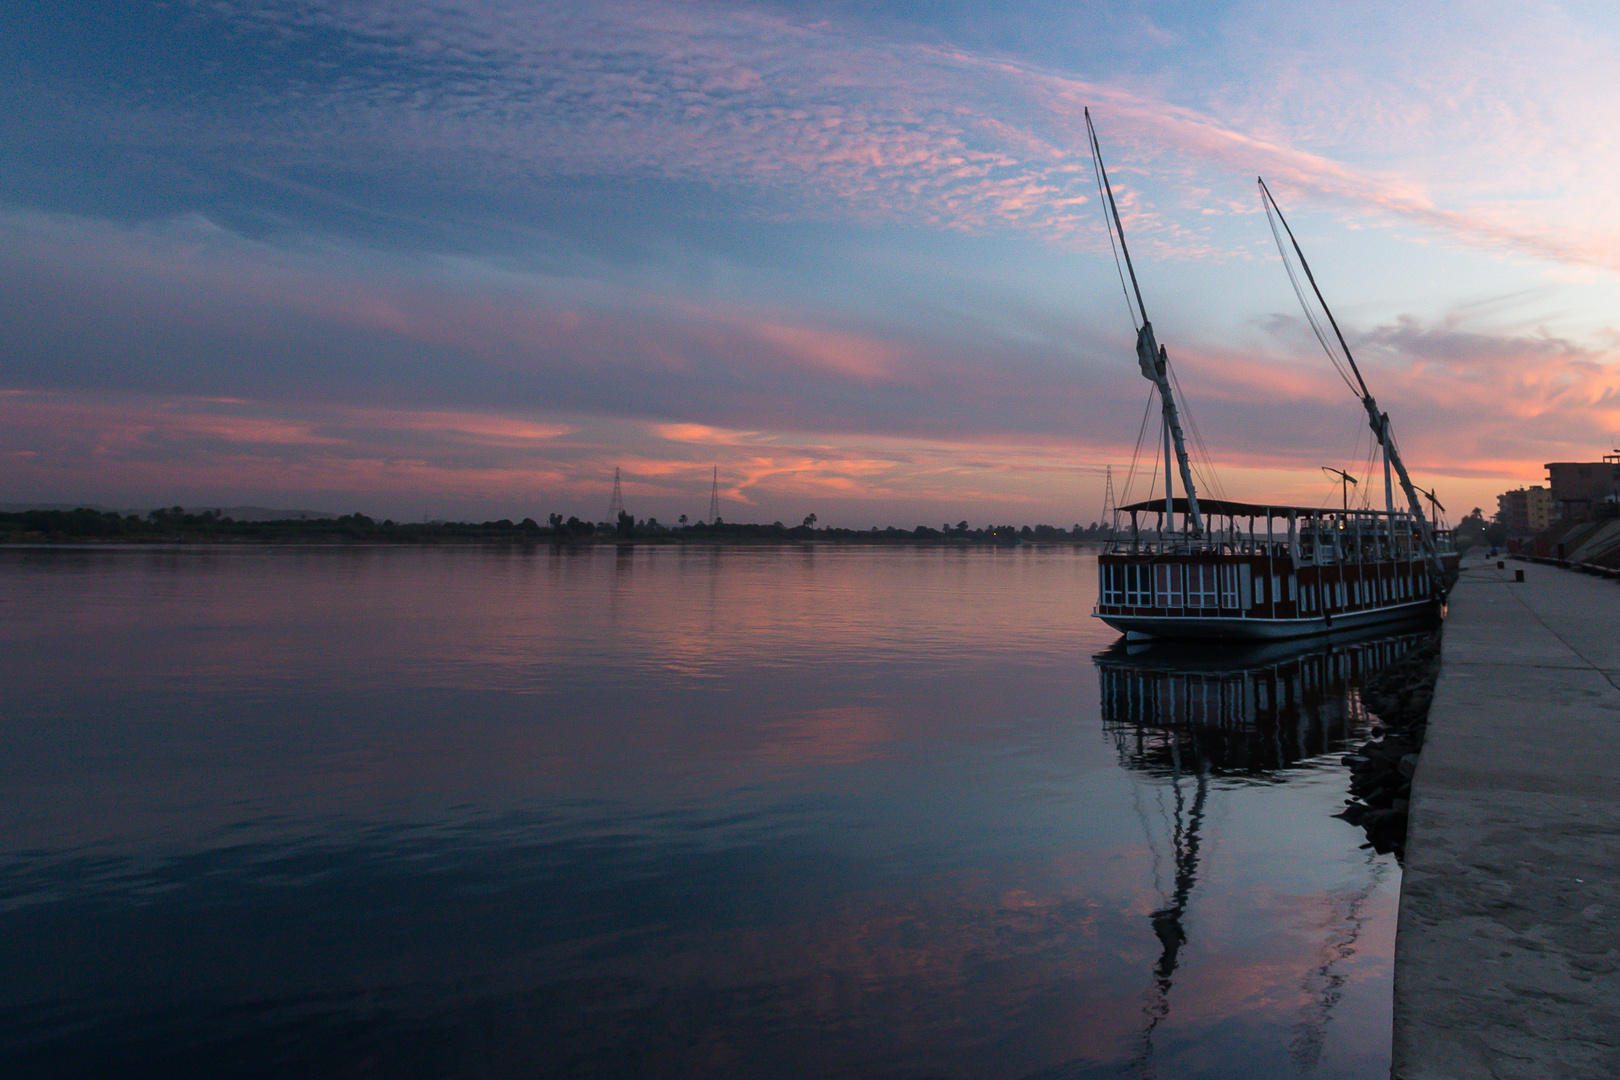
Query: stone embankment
[(1382, 768), (1507, 957)]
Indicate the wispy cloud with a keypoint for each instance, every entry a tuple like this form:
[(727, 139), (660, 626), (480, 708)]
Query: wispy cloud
[(486, 243), (400, 371), (844, 125)]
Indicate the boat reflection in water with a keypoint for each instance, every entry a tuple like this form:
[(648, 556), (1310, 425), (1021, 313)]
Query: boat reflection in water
[(1241, 710), (1189, 720)]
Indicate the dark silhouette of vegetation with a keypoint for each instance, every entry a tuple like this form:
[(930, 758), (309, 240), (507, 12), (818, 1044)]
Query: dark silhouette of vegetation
[(1474, 530), (174, 525)]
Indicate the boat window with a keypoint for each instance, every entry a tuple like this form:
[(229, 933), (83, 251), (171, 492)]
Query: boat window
[(1113, 591), (1167, 585), (1234, 585), (1201, 585), (1139, 585)]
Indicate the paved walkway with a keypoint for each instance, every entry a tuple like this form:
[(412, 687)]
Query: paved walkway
[(1507, 960)]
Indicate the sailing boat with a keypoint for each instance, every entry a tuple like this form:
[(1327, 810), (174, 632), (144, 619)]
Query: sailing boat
[(1305, 571)]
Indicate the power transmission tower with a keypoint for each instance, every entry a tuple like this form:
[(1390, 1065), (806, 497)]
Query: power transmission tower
[(616, 503), (1110, 512), (714, 498)]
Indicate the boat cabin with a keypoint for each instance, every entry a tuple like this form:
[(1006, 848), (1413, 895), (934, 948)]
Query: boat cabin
[(1259, 571)]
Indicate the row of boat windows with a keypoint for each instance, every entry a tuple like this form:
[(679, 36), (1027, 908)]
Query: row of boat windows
[(1230, 699), (1213, 585), (1204, 585)]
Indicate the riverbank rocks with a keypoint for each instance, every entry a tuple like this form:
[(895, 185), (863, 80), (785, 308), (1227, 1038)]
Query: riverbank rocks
[(1381, 769)]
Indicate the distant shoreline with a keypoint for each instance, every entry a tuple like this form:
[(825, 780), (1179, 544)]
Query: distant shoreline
[(94, 527)]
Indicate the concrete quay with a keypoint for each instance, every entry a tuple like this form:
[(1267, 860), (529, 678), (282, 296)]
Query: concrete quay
[(1507, 954)]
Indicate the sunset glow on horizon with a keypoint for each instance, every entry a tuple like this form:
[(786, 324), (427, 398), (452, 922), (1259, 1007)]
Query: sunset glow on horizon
[(465, 259)]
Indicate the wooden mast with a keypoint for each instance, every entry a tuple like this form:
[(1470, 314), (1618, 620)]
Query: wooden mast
[(1379, 421), (1152, 358)]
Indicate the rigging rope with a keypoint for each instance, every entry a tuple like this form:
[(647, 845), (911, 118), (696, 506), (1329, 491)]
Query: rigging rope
[(1371, 465), (1305, 306), (1136, 453), (1114, 244), (1153, 483), (1211, 479)]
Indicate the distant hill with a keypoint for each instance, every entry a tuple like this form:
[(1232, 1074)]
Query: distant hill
[(24, 507), (235, 513)]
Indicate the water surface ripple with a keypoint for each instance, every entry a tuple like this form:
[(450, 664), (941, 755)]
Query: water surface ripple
[(787, 812)]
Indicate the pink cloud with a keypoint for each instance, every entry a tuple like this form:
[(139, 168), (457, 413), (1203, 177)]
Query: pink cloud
[(961, 430), (861, 357)]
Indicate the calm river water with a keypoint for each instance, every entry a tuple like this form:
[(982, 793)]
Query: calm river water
[(665, 812)]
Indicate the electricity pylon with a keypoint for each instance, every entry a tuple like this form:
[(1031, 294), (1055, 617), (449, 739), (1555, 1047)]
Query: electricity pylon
[(616, 503)]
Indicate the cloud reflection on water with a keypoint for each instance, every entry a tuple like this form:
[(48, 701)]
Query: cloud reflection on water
[(736, 812)]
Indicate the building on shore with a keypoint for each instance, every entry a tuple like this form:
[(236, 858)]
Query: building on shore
[(1584, 490), (1526, 511)]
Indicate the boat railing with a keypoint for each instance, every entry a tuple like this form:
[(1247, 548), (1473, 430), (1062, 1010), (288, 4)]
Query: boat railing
[(1310, 549), (1306, 537)]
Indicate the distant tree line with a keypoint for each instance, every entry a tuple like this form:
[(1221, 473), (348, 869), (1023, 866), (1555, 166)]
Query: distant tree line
[(176, 525), (208, 526), (1474, 530)]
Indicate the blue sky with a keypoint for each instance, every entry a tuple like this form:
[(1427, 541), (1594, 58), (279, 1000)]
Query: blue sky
[(466, 258)]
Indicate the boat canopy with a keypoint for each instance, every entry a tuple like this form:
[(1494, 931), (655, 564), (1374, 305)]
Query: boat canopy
[(1228, 508)]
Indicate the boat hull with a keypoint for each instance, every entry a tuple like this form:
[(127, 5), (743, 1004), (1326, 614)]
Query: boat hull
[(1237, 628)]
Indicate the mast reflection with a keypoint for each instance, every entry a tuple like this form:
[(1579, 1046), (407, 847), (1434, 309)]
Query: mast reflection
[(1184, 715)]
